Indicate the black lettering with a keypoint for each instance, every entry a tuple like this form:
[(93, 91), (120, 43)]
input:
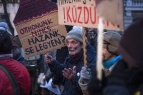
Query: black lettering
[(52, 34), (31, 41), (56, 33), (63, 39), (41, 38), (36, 40), (45, 45), (40, 46), (58, 41), (52, 42), (46, 37), (27, 51), (32, 50), (49, 44), (37, 50)]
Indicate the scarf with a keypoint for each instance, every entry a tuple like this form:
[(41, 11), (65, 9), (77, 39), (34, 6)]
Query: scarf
[(107, 64)]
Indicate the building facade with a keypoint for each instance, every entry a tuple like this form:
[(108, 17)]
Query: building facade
[(133, 9)]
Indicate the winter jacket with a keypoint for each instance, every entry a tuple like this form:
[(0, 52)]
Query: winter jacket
[(72, 88), (84, 82), (20, 74), (121, 81), (108, 71)]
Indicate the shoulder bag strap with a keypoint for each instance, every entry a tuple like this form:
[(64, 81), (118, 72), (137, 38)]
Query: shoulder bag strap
[(15, 86)]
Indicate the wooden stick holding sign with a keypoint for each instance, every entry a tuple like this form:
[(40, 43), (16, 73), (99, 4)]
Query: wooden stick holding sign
[(84, 47), (99, 49)]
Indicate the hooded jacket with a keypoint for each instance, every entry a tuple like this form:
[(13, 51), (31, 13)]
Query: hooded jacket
[(20, 74)]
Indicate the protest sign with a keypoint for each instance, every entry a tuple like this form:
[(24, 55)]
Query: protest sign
[(37, 26), (81, 13), (111, 10)]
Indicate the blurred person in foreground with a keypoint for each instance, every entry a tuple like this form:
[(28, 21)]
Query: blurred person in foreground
[(15, 79), (126, 77)]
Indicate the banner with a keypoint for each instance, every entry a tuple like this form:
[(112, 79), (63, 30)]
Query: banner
[(111, 10), (37, 26), (81, 13)]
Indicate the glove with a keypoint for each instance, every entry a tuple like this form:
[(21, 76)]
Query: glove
[(85, 73), (41, 78)]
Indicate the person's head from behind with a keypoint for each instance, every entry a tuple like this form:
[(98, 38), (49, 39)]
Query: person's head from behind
[(110, 45), (5, 42), (5, 26), (74, 40)]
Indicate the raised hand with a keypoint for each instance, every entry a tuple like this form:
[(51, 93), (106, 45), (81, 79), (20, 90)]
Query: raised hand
[(48, 58), (70, 73)]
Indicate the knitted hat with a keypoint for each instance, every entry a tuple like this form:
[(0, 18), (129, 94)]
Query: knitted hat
[(4, 25), (5, 42), (131, 44), (112, 38), (75, 33)]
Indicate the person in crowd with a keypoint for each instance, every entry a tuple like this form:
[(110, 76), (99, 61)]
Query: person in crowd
[(15, 42), (70, 69), (126, 76), (45, 73), (91, 35), (15, 79), (110, 53), (110, 57), (45, 70), (5, 26)]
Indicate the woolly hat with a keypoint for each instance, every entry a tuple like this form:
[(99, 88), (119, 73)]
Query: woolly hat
[(112, 38), (5, 42), (75, 33), (4, 25), (131, 44)]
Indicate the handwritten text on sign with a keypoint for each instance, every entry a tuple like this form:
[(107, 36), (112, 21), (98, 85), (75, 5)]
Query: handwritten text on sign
[(82, 13), (44, 42), (41, 35), (38, 26)]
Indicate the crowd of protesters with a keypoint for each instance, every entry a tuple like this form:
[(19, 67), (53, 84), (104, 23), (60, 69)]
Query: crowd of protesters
[(122, 64), (64, 71)]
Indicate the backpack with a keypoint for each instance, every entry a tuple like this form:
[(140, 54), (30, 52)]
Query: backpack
[(15, 86)]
